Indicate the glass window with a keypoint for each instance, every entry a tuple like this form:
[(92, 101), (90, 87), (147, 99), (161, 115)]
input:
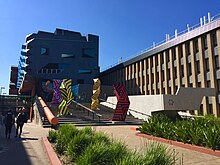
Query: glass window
[(190, 68), (198, 66), (218, 81), (207, 64), (208, 84), (65, 55), (216, 62), (188, 48), (44, 51), (205, 44), (196, 45), (214, 37)]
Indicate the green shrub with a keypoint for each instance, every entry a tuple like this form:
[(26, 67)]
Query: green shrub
[(131, 158), (52, 136), (102, 154), (201, 131), (78, 144), (157, 153), (64, 136)]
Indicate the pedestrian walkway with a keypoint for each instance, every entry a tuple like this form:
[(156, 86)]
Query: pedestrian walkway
[(27, 150), (186, 156)]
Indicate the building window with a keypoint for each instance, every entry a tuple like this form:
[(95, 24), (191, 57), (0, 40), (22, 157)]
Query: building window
[(214, 37), (205, 44), (207, 64), (208, 84), (196, 45), (216, 62), (198, 67), (190, 69), (174, 54), (66, 55), (44, 51), (182, 70), (188, 48), (210, 111), (201, 109)]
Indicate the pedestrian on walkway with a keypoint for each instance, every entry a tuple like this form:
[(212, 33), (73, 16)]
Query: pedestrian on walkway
[(9, 122), (21, 119)]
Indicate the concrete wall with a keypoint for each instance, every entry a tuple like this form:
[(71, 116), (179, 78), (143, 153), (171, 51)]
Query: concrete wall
[(185, 99)]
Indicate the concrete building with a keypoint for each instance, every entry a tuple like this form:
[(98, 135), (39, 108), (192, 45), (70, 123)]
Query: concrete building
[(188, 59), (60, 55)]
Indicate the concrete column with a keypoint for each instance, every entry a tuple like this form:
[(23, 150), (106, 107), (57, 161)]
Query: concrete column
[(165, 72), (178, 65), (137, 89), (193, 66), (160, 74), (133, 84), (185, 66), (145, 76), (126, 77), (154, 75), (202, 72), (149, 75), (141, 76), (171, 54), (130, 79), (212, 74)]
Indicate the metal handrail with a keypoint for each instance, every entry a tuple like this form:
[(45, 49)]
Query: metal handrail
[(88, 109), (216, 17)]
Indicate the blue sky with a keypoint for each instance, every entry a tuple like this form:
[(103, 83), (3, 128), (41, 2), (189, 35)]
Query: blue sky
[(125, 27)]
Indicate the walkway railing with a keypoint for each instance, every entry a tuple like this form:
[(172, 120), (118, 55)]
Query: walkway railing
[(51, 118), (88, 110)]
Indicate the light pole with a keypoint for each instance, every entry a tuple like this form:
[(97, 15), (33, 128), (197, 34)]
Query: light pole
[(1, 90)]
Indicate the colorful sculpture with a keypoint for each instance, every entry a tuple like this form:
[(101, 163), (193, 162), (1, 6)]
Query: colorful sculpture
[(67, 96), (122, 104), (96, 93), (57, 98)]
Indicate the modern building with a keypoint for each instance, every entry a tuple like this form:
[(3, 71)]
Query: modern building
[(188, 59), (13, 80), (60, 55)]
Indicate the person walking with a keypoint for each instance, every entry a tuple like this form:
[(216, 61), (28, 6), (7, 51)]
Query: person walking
[(21, 119), (9, 122)]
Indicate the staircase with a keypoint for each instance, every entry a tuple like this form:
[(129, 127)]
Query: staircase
[(80, 117)]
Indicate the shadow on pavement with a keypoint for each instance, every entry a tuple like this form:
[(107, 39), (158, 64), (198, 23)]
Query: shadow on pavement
[(13, 151)]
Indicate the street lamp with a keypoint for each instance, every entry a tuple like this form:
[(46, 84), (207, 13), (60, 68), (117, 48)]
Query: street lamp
[(1, 89)]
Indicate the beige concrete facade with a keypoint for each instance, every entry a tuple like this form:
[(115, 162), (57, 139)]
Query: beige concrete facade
[(189, 60)]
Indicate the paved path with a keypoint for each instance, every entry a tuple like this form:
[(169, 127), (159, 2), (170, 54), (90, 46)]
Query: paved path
[(189, 157), (27, 150)]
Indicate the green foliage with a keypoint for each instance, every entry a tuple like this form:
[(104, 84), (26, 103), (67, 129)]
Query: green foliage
[(85, 146), (77, 145), (201, 131), (64, 136), (102, 154), (52, 136), (157, 153)]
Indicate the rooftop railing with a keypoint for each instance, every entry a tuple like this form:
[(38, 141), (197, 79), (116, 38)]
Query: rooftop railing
[(203, 22)]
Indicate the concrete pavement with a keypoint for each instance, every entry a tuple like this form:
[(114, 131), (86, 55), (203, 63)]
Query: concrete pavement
[(27, 150)]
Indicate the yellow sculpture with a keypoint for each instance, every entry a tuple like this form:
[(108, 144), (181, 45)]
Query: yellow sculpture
[(96, 93)]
